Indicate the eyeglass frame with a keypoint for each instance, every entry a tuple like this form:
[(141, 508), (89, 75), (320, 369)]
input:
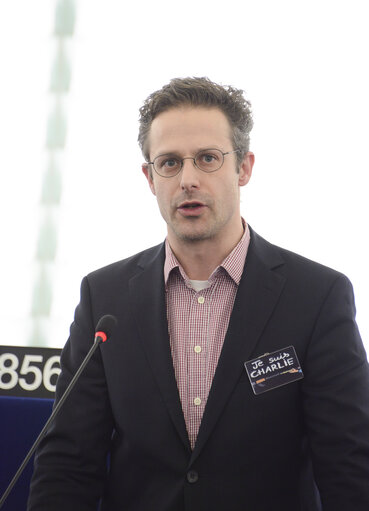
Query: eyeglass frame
[(194, 161)]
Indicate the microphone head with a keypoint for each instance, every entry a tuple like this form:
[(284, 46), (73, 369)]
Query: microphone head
[(106, 324)]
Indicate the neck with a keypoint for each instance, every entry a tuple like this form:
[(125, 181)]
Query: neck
[(200, 258)]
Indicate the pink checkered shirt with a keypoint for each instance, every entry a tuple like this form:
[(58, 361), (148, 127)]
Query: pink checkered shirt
[(197, 323)]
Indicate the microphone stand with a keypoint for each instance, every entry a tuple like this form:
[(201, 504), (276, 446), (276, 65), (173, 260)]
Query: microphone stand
[(98, 340)]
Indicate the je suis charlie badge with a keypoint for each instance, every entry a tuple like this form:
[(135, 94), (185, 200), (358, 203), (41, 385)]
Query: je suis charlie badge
[(273, 370)]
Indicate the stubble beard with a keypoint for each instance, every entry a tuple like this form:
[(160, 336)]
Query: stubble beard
[(195, 234)]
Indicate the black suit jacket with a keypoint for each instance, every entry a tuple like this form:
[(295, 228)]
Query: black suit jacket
[(253, 453)]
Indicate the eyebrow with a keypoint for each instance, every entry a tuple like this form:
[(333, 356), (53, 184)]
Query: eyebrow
[(176, 153)]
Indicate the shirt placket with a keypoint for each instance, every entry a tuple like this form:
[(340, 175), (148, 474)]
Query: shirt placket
[(197, 355)]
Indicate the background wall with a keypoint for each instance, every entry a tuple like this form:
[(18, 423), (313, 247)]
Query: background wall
[(304, 68)]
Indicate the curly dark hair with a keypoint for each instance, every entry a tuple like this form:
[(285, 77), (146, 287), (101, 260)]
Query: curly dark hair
[(199, 92)]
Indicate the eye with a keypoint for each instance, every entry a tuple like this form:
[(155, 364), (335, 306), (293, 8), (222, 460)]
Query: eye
[(209, 158), (166, 162), (169, 163)]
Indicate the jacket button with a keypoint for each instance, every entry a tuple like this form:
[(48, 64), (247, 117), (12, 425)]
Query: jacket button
[(192, 476)]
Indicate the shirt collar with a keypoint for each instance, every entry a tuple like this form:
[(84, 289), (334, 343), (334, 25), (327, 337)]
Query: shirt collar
[(233, 264)]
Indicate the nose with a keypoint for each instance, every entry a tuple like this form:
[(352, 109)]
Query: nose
[(189, 174)]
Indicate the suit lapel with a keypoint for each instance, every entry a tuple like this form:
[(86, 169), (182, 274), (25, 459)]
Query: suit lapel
[(257, 295), (147, 295)]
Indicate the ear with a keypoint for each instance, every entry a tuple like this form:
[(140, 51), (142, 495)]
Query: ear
[(245, 172), (147, 171)]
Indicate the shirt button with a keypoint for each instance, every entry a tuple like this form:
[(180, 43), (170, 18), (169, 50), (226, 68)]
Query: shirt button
[(201, 299), (197, 401), (192, 476), (197, 349)]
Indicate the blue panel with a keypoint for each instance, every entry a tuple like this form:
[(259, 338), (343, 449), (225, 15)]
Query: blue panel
[(21, 422)]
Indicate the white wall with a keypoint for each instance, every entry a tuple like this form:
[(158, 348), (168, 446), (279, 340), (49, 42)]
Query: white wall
[(304, 67)]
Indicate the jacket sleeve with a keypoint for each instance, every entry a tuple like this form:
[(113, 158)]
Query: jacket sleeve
[(70, 464), (336, 403)]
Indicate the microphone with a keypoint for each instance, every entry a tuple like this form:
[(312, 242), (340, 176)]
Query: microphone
[(103, 331), (105, 327)]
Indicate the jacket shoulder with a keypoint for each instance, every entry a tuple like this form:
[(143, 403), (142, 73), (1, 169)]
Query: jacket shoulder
[(292, 264), (127, 267), (107, 289)]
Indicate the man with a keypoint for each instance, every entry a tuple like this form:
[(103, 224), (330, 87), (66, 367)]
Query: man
[(236, 378)]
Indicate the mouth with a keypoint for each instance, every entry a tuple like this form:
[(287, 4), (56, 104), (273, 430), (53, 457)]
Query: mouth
[(191, 208)]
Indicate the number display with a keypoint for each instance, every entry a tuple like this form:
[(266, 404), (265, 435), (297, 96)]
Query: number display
[(8, 369), (28, 371)]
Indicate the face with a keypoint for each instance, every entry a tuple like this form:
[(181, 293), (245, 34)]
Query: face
[(196, 205)]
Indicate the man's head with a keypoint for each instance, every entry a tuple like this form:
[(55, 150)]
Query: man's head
[(201, 92), (195, 136)]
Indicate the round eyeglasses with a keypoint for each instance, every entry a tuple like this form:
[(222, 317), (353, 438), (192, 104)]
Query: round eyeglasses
[(208, 160)]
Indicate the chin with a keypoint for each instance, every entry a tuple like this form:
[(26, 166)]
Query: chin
[(193, 235), (193, 230)]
